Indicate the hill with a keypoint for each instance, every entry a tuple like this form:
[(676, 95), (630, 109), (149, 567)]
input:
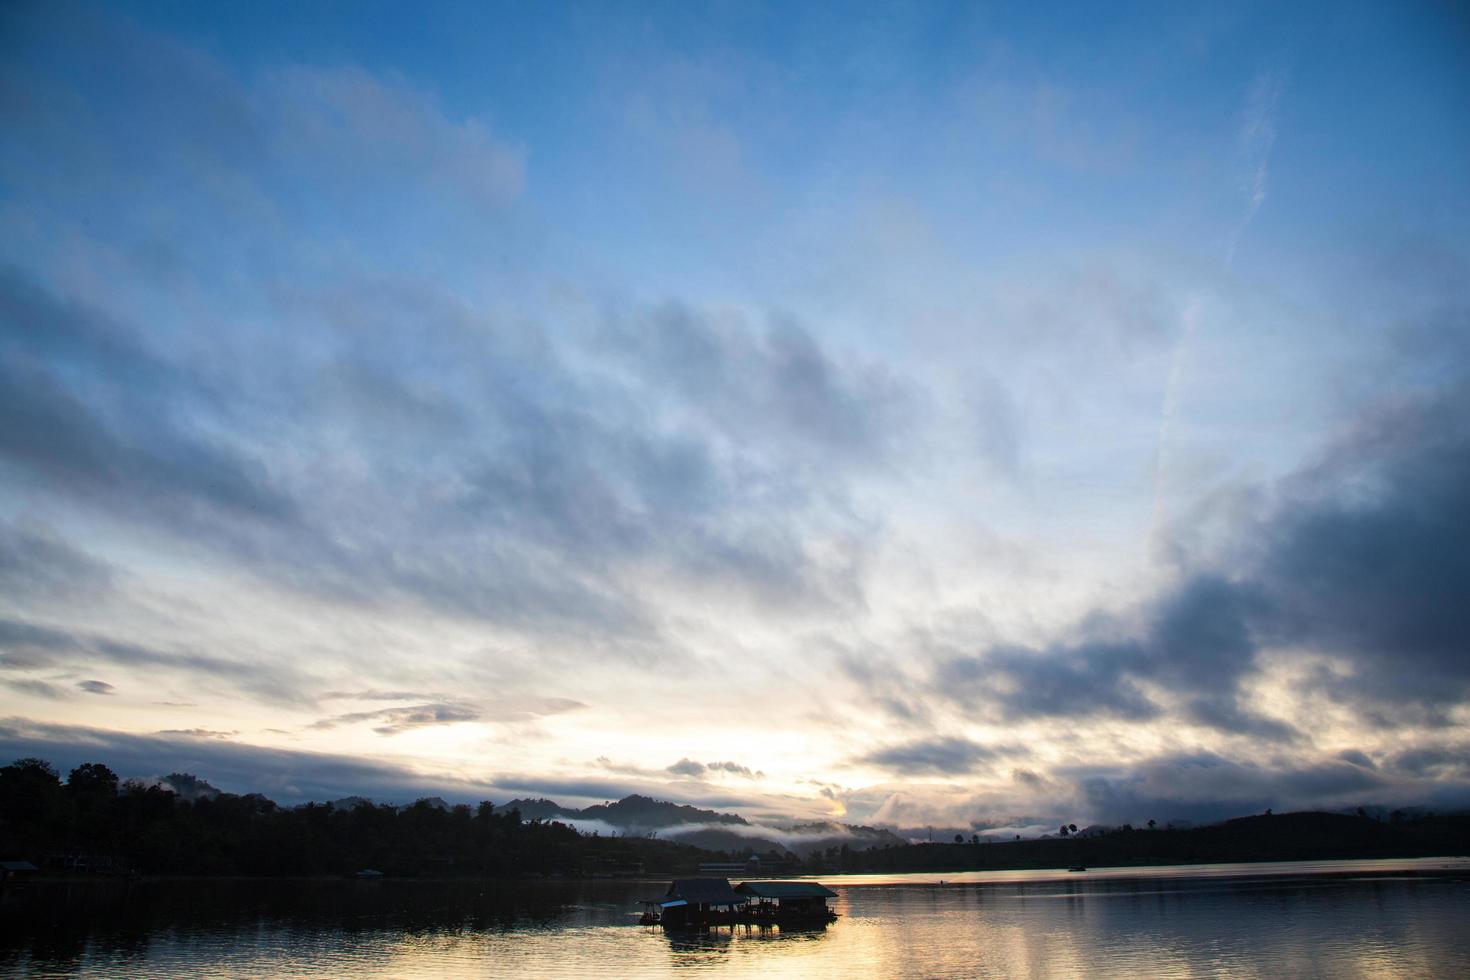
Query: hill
[(1307, 836)]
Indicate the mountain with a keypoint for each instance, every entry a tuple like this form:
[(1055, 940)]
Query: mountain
[(539, 809), (641, 812), (710, 829)]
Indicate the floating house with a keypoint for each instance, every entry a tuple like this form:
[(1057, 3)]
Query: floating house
[(698, 901), (703, 902), (787, 901)]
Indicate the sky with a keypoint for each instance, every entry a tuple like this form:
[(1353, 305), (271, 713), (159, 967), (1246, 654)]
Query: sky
[(963, 414)]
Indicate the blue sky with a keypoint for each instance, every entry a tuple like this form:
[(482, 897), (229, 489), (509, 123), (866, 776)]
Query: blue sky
[(947, 412)]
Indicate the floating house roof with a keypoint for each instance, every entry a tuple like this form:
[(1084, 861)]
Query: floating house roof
[(785, 889), (704, 891)]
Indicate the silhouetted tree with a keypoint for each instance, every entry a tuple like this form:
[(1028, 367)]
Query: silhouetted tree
[(30, 771), (92, 780), (30, 790)]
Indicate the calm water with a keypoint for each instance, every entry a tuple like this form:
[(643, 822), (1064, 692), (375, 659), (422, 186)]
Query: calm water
[(1378, 919)]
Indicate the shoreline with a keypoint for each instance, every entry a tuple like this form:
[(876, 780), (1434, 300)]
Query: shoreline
[(1419, 866)]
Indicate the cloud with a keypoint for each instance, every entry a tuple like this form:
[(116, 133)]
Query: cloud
[(540, 489), (35, 688), (36, 563), (691, 768), (344, 425), (1434, 760), (95, 687), (395, 721), (379, 695), (28, 646), (938, 756), (348, 115), (114, 437), (777, 385), (285, 776), (1205, 786), (195, 733), (398, 719), (1374, 573), (1363, 560), (1255, 140)]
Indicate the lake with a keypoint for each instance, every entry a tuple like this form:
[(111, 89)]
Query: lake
[(1317, 919)]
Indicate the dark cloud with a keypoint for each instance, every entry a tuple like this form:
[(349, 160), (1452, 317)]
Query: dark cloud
[(195, 733), (1358, 758), (1366, 559), (1226, 713), (285, 776), (37, 563), (88, 413), (95, 687), (689, 767), (1027, 777), (939, 756), (772, 386), (1434, 760), (35, 688), (1077, 681), (27, 645), (1205, 787), (1378, 575)]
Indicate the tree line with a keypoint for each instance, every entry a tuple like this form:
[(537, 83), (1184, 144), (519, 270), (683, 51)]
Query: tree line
[(93, 823)]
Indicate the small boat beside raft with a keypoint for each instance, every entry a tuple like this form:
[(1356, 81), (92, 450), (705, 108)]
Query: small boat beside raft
[(703, 902)]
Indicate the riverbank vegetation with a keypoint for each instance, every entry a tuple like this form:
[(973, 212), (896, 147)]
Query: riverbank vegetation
[(91, 824)]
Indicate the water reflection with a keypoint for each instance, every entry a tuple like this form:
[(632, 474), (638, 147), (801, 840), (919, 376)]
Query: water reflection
[(693, 947), (1302, 925)]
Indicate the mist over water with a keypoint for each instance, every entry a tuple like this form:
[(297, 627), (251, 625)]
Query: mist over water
[(1379, 919)]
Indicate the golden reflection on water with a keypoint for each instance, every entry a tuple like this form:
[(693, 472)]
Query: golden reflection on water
[(1042, 926)]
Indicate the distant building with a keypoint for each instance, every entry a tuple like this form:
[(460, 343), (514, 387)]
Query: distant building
[(753, 865), (10, 870)]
